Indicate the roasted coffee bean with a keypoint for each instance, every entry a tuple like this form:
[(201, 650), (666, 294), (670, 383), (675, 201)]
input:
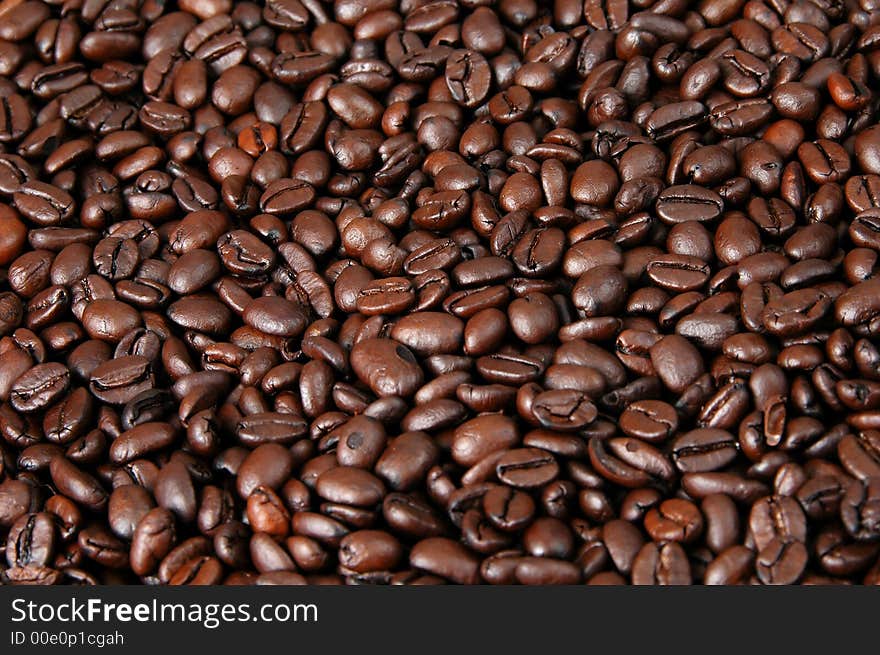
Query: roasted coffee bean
[(704, 449), (141, 440), (859, 510), (665, 564), (270, 427), (649, 420), (153, 538), (481, 436), (527, 467), (388, 369), (563, 410), (447, 559), (119, 380), (31, 541), (127, 506), (687, 202), (677, 362), (468, 77), (39, 387), (78, 485), (369, 550), (674, 520)]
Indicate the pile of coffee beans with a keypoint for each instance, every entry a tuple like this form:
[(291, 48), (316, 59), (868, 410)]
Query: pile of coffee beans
[(428, 291)]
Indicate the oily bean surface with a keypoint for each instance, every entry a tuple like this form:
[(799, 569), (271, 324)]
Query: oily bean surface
[(439, 291)]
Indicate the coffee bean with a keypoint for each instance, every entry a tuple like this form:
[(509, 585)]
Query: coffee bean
[(429, 333), (703, 449), (119, 380), (446, 558), (563, 409), (677, 362), (481, 436), (688, 202), (31, 541), (270, 427), (649, 420), (859, 509), (666, 564), (153, 539), (388, 369), (388, 296), (276, 316), (127, 506), (527, 467), (39, 387), (468, 77), (78, 485)]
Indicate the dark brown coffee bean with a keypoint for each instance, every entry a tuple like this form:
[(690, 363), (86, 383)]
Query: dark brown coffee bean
[(527, 467)]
